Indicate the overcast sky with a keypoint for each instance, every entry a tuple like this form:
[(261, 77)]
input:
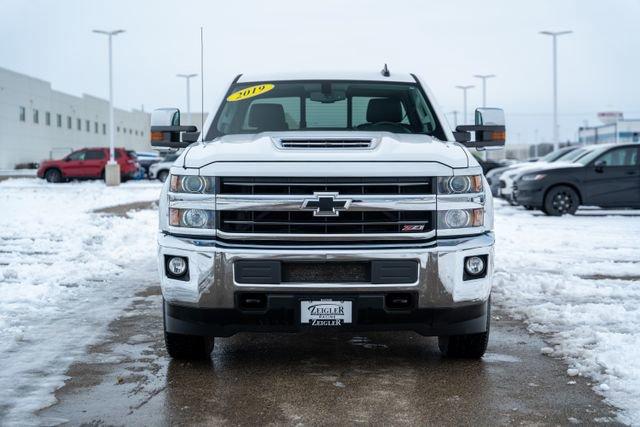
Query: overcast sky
[(446, 42)]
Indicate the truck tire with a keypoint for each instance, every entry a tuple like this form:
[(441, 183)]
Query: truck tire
[(53, 175), (561, 200), (188, 347), (470, 346)]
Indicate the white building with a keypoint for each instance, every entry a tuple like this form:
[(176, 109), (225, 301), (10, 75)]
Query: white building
[(618, 132), (37, 122)]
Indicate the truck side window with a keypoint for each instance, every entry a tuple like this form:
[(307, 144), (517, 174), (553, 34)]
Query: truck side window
[(423, 111)]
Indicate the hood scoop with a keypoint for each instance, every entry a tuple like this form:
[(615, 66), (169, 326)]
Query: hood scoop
[(325, 143)]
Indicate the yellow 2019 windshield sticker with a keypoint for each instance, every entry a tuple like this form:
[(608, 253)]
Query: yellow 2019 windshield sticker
[(250, 92)]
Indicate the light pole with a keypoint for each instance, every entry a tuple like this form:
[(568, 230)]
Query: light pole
[(112, 170), (554, 35), (464, 97), (188, 77), (484, 78)]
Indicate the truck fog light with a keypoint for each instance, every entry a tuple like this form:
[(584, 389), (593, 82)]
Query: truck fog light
[(195, 218), (474, 265), (177, 266), (457, 218)]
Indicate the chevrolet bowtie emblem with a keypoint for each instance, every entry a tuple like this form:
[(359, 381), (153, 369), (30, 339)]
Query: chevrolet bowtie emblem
[(325, 204)]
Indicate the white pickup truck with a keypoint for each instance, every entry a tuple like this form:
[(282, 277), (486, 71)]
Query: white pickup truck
[(326, 201)]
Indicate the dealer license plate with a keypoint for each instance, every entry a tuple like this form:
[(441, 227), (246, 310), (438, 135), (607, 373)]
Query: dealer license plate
[(325, 312)]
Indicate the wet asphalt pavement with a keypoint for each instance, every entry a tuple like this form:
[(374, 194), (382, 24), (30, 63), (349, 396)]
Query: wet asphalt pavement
[(322, 378)]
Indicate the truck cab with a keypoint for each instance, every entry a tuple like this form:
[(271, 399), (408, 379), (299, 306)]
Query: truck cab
[(326, 201)]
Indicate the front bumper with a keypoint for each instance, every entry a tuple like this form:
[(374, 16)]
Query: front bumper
[(282, 315), (212, 291)]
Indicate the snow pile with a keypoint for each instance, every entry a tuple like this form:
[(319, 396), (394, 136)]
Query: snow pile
[(577, 279), (60, 269)]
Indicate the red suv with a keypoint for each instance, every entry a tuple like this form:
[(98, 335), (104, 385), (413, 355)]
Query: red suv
[(88, 163)]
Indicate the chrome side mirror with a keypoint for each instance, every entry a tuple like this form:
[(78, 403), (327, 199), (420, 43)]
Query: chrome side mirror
[(167, 132), (489, 129), (490, 116), (165, 117)]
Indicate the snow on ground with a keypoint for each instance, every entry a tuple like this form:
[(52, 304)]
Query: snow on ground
[(65, 272), (577, 280)]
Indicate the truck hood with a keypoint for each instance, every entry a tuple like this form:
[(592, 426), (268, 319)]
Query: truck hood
[(386, 147)]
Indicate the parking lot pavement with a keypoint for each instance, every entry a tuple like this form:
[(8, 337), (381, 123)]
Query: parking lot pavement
[(381, 378)]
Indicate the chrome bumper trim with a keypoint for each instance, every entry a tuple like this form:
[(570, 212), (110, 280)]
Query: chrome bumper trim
[(293, 237), (440, 283)]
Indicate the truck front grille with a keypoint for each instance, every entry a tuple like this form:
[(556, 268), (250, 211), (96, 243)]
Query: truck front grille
[(303, 222), (307, 186), (277, 209)]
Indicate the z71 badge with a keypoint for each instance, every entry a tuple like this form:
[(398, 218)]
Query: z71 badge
[(419, 227)]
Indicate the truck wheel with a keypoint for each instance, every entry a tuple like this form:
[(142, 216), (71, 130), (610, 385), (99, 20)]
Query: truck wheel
[(162, 176), (191, 347), (561, 200), (470, 346), (53, 175)]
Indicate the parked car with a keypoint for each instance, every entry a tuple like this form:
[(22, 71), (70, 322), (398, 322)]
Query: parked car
[(160, 170), (566, 154), (493, 178), (88, 163), (606, 176), (494, 175), (147, 158)]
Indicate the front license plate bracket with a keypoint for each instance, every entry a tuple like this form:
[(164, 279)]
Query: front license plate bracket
[(326, 312)]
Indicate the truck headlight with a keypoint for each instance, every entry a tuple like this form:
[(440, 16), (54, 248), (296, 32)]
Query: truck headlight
[(460, 218), (459, 184), (191, 218), (192, 184)]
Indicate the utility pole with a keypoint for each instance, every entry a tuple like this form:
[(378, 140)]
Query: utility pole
[(188, 77), (484, 78), (464, 97), (112, 170), (555, 35)]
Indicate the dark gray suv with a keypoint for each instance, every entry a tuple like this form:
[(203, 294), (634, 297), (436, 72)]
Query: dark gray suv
[(608, 176)]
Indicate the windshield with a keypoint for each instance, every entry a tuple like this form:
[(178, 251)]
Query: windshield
[(555, 155), (325, 105), (573, 155)]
